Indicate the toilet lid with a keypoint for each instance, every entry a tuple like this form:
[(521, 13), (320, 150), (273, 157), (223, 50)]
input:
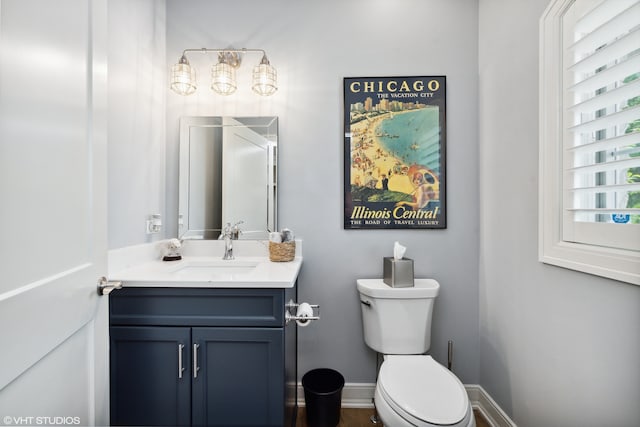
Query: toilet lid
[(422, 390)]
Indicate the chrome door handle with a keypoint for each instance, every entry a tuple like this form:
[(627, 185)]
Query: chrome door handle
[(105, 287), (195, 360), (180, 365)]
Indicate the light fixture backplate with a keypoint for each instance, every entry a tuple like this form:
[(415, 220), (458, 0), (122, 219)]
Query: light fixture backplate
[(231, 58)]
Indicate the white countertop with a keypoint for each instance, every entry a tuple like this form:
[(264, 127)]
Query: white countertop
[(202, 266)]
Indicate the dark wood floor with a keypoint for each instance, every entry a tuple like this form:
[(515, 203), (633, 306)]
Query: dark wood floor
[(350, 417)]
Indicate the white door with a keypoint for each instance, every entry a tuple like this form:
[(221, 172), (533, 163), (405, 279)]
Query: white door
[(53, 324)]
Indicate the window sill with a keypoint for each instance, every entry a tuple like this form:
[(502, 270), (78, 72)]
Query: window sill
[(614, 264)]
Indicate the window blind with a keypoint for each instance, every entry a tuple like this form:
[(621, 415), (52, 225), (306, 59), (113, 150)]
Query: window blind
[(601, 123)]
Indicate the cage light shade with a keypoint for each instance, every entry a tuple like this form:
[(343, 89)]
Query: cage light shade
[(223, 78), (183, 78), (265, 79)]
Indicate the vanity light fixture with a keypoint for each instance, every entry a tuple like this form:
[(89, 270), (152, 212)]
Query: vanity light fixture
[(223, 73), (183, 77), (265, 78)]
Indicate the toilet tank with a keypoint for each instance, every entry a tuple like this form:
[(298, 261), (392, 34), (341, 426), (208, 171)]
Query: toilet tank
[(397, 320)]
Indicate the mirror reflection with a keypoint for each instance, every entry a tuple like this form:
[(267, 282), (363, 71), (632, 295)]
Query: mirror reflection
[(228, 174)]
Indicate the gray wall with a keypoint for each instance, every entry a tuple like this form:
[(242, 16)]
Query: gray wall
[(314, 45), (137, 91), (558, 347)]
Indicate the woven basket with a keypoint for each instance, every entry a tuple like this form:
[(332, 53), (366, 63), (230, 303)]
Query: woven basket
[(282, 252)]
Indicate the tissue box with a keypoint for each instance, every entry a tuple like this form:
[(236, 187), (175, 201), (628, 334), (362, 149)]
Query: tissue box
[(398, 273)]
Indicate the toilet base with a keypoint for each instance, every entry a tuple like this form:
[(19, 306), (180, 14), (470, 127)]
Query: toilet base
[(392, 419)]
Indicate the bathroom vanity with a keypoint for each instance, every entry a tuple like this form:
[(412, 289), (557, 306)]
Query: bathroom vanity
[(204, 342)]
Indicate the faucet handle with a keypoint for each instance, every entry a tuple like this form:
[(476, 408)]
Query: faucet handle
[(235, 231)]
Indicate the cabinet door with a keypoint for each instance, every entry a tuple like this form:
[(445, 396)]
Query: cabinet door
[(150, 376), (239, 377)]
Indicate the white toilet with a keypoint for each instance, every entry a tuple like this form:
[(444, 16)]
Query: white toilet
[(412, 388)]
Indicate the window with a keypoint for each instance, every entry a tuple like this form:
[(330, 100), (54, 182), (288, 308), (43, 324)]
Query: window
[(590, 137)]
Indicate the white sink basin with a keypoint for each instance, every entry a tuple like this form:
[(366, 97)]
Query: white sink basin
[(208, 270)]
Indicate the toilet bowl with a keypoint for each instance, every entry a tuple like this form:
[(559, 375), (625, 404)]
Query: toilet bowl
[(412, 390), (416, 391)]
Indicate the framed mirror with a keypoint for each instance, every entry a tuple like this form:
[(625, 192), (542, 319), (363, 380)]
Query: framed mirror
[(227, 173)]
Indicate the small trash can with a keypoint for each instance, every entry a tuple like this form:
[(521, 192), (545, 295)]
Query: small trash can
[(322, 396)]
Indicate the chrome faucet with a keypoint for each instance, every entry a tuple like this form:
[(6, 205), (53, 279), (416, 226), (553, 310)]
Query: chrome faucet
[(229, 234)]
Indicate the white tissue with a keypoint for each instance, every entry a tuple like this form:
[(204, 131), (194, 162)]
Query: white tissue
[(275, 237), (398, 250), (304, 310)]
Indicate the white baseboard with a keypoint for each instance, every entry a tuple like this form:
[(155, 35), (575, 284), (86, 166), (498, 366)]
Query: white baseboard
[(482, 401), (360, 395)]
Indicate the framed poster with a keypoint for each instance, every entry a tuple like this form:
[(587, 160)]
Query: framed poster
[(394, 152)]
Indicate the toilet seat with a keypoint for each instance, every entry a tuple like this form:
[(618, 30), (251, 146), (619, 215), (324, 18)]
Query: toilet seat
[(422, 391)]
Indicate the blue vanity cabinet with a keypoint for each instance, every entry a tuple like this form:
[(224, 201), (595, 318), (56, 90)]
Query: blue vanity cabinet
[(146, 386), (202, 357), (233, 363)]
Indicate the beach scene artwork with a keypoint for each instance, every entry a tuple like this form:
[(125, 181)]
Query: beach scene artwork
[(395, 138)]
